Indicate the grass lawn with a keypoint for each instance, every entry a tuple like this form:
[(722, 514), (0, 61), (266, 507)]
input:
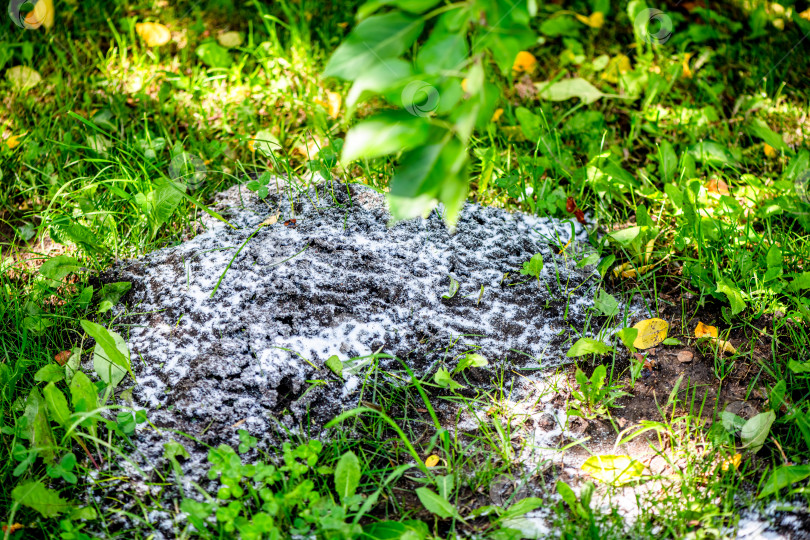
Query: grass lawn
[(682, 141)]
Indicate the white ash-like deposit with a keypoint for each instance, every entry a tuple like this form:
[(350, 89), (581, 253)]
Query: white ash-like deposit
[(339, 281)]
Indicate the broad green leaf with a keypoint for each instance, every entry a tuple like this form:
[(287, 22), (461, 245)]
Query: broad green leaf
[(442, 52), (733, 294), (667, 164), (758, 128), (755, 431), (111, 354), (774, 257), (214, 55), (111, 294), (386, 133), (163, 201), (523, 506), (373, 41), (445, 380), (57, 405), (628, 337), (470, 360), (777, 395), (569, 88), (347, 476), (36, 496), (411, 6), (84, 398), (567, 494), (626, 237), (50, 373), (377, 79), (23, 78), (585, 346), (56, 268), (38, 428), (173, 449), (335, 365), (534, 266), (615, 470), (798, 367), (436, 504), (73, 364), (711, 152), (782, 477), (606, 303)]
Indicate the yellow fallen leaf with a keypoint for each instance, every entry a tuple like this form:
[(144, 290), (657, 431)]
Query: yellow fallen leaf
[(733, 461), (14, 527), (496, 115), (14, 141), (42, 15), (272, 220), (595, 20), (464, 84), (230, 39), (617, 66), (432, 460), (332, 103), (725, 346), (770, 151), (704, 330), (153, 34), (805, 14), (717, 186), (627, 270), (525, 62), (651, 332), (687, 70), (649, 250)]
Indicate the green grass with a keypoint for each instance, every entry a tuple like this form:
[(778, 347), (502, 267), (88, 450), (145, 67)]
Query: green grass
[(97, 135)]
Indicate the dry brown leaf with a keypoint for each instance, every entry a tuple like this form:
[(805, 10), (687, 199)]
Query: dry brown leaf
[(684, 357), (704, 330), (651, 332), (153, 34), (62, 357), (271, 220)]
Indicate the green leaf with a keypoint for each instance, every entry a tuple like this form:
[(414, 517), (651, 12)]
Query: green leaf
[(36, 496), (73, 363), (713, 153), (628, 336), (56, 268), (569, 88), (798, 367), (173, 449), (671, 341), (111, 294), (335, 365), (758, 128), (436, 504), (616, 470), (777, 395), (454, 286), (386, 133), (38, 428), (523, 506), (567, 494), (774, 257), (442, 52), (470, 360), (110, 355), (57, 405), (347, 476), (733, 294), (214, 55), (585, 346), (50, 373), (755, 431), (782, 477), (373, 41), (84, 397), (163, 201), (606, 303), (667, 164), (378, 79), (800, 282), (445, 380), (533, 266)]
